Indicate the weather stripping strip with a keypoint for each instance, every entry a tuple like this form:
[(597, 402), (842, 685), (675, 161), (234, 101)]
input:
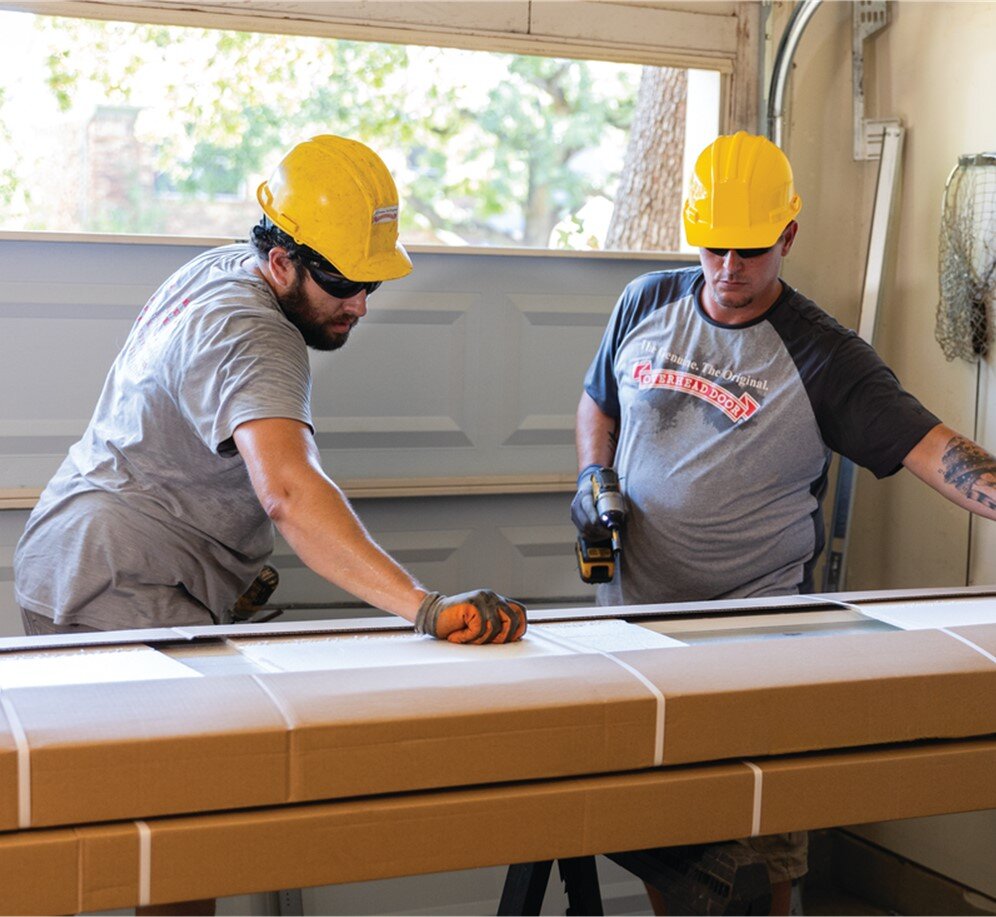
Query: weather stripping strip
[(264, 664)]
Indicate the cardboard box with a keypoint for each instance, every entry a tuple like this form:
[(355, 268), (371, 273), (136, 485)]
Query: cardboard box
[(847, 788), (982, 635), (106, 866), (741, 699), (103, 752)]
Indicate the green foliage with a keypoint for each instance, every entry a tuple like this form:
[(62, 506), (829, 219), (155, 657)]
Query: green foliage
[(487, 148)]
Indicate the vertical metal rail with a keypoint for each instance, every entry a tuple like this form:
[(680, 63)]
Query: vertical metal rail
[(794, 28), (886, 192)]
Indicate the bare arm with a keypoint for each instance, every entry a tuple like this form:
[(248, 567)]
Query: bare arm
[(315, 518), (957, 468), (595, 434)]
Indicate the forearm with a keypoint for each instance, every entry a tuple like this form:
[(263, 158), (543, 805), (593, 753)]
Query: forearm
[(320, 526), (957, 468), (595, 434)]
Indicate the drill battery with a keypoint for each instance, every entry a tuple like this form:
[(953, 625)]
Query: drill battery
[(596, 560)]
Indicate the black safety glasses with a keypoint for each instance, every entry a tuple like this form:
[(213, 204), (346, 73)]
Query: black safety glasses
[(741, 252), (341, 287)]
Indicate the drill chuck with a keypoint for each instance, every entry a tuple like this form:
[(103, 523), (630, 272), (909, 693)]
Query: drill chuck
[(609, 501)]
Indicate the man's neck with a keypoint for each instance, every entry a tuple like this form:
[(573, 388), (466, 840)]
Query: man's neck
[(739, 314)]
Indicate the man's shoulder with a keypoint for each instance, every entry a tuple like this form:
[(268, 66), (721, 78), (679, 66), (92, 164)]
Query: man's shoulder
[(675, 278), (800, 317), (657, 289), (222, 281), (224, 303)]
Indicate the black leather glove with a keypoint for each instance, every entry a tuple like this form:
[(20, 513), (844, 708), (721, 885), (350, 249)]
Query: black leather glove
[(481, 616)]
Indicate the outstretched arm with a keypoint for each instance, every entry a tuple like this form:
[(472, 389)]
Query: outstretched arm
[(315, 518), (317, 521), (957, 468)]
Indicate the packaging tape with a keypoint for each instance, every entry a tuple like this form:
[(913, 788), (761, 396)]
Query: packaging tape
[(968, 643), (755, 820), (281, 709), (23, 763), (657, 693), (144, 863)]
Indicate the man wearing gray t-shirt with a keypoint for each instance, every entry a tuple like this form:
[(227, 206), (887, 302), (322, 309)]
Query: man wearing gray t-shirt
[(718, 395), (202, 439)]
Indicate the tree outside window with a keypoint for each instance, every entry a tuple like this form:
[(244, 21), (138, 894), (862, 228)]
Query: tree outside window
[(168, 130)]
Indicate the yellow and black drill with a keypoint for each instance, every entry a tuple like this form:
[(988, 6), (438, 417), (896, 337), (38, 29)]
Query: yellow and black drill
[(597, 559)]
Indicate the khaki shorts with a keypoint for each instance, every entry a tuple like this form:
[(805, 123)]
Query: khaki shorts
[(785, 854)]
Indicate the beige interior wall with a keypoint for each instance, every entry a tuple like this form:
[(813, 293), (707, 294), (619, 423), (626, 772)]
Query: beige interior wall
[(933, 68)]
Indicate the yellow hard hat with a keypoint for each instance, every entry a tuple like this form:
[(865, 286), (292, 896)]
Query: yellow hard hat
[(337, 197), (740, 194)]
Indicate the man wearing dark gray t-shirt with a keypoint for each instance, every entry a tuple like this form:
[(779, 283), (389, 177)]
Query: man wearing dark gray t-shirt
[(718, 395)]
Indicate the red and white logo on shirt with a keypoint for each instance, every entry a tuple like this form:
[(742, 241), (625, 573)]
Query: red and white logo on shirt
[(736, 408)]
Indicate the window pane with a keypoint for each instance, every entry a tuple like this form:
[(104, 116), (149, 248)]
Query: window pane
[(130, 128)]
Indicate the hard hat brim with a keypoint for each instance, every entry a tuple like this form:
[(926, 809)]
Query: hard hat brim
[(386, 266)]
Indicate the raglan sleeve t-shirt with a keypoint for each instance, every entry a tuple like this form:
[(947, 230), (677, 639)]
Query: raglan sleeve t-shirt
[(726, 434)]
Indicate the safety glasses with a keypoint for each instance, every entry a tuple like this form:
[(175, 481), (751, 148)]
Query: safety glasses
[(341, 287), (741, 252)]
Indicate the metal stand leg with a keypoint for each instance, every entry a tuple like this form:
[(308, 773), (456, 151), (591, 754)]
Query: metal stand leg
[(289, 902), (525, 887), (580, 877)]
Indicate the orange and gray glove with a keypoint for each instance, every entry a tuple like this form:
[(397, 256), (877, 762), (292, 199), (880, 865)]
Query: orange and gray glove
[(481, 616)]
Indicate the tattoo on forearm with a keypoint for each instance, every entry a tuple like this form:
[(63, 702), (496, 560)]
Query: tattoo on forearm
[(613, 440), (971, 470)]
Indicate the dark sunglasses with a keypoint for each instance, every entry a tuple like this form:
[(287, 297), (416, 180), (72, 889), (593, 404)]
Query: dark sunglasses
[(741, 252), (341, 287)]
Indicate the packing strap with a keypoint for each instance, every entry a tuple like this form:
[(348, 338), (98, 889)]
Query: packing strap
[(968, 643), (285, 714), (755, 820), (23, 762), (647, 683), (144, 863)]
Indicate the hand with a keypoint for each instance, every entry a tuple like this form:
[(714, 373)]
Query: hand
[(481, 616), (583, 512)]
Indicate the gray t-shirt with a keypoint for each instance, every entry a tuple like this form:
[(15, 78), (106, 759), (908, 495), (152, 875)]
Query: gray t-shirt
[(726, 434), (151, 520)]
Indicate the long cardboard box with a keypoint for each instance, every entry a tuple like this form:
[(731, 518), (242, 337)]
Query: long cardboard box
[(774, 697), (119, 865), (82, 753)]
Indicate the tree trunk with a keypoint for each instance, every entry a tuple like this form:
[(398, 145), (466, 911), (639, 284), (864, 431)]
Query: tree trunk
[(647, 214)]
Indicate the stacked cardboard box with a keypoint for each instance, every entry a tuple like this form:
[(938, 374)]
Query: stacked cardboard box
[(532, 755), (95, 867)]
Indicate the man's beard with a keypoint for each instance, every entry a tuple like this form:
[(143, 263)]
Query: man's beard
[(313, 327)]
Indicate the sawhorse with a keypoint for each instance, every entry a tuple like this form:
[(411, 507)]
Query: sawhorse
[(525, 887), (726, 878)]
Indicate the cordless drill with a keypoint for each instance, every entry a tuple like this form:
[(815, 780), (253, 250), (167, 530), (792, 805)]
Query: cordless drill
[(597, 559)]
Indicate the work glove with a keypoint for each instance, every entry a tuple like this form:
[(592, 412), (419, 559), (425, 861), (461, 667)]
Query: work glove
[(583, 512), (480, 616)]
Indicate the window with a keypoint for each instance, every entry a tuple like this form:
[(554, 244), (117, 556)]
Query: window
[(128, 128)]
